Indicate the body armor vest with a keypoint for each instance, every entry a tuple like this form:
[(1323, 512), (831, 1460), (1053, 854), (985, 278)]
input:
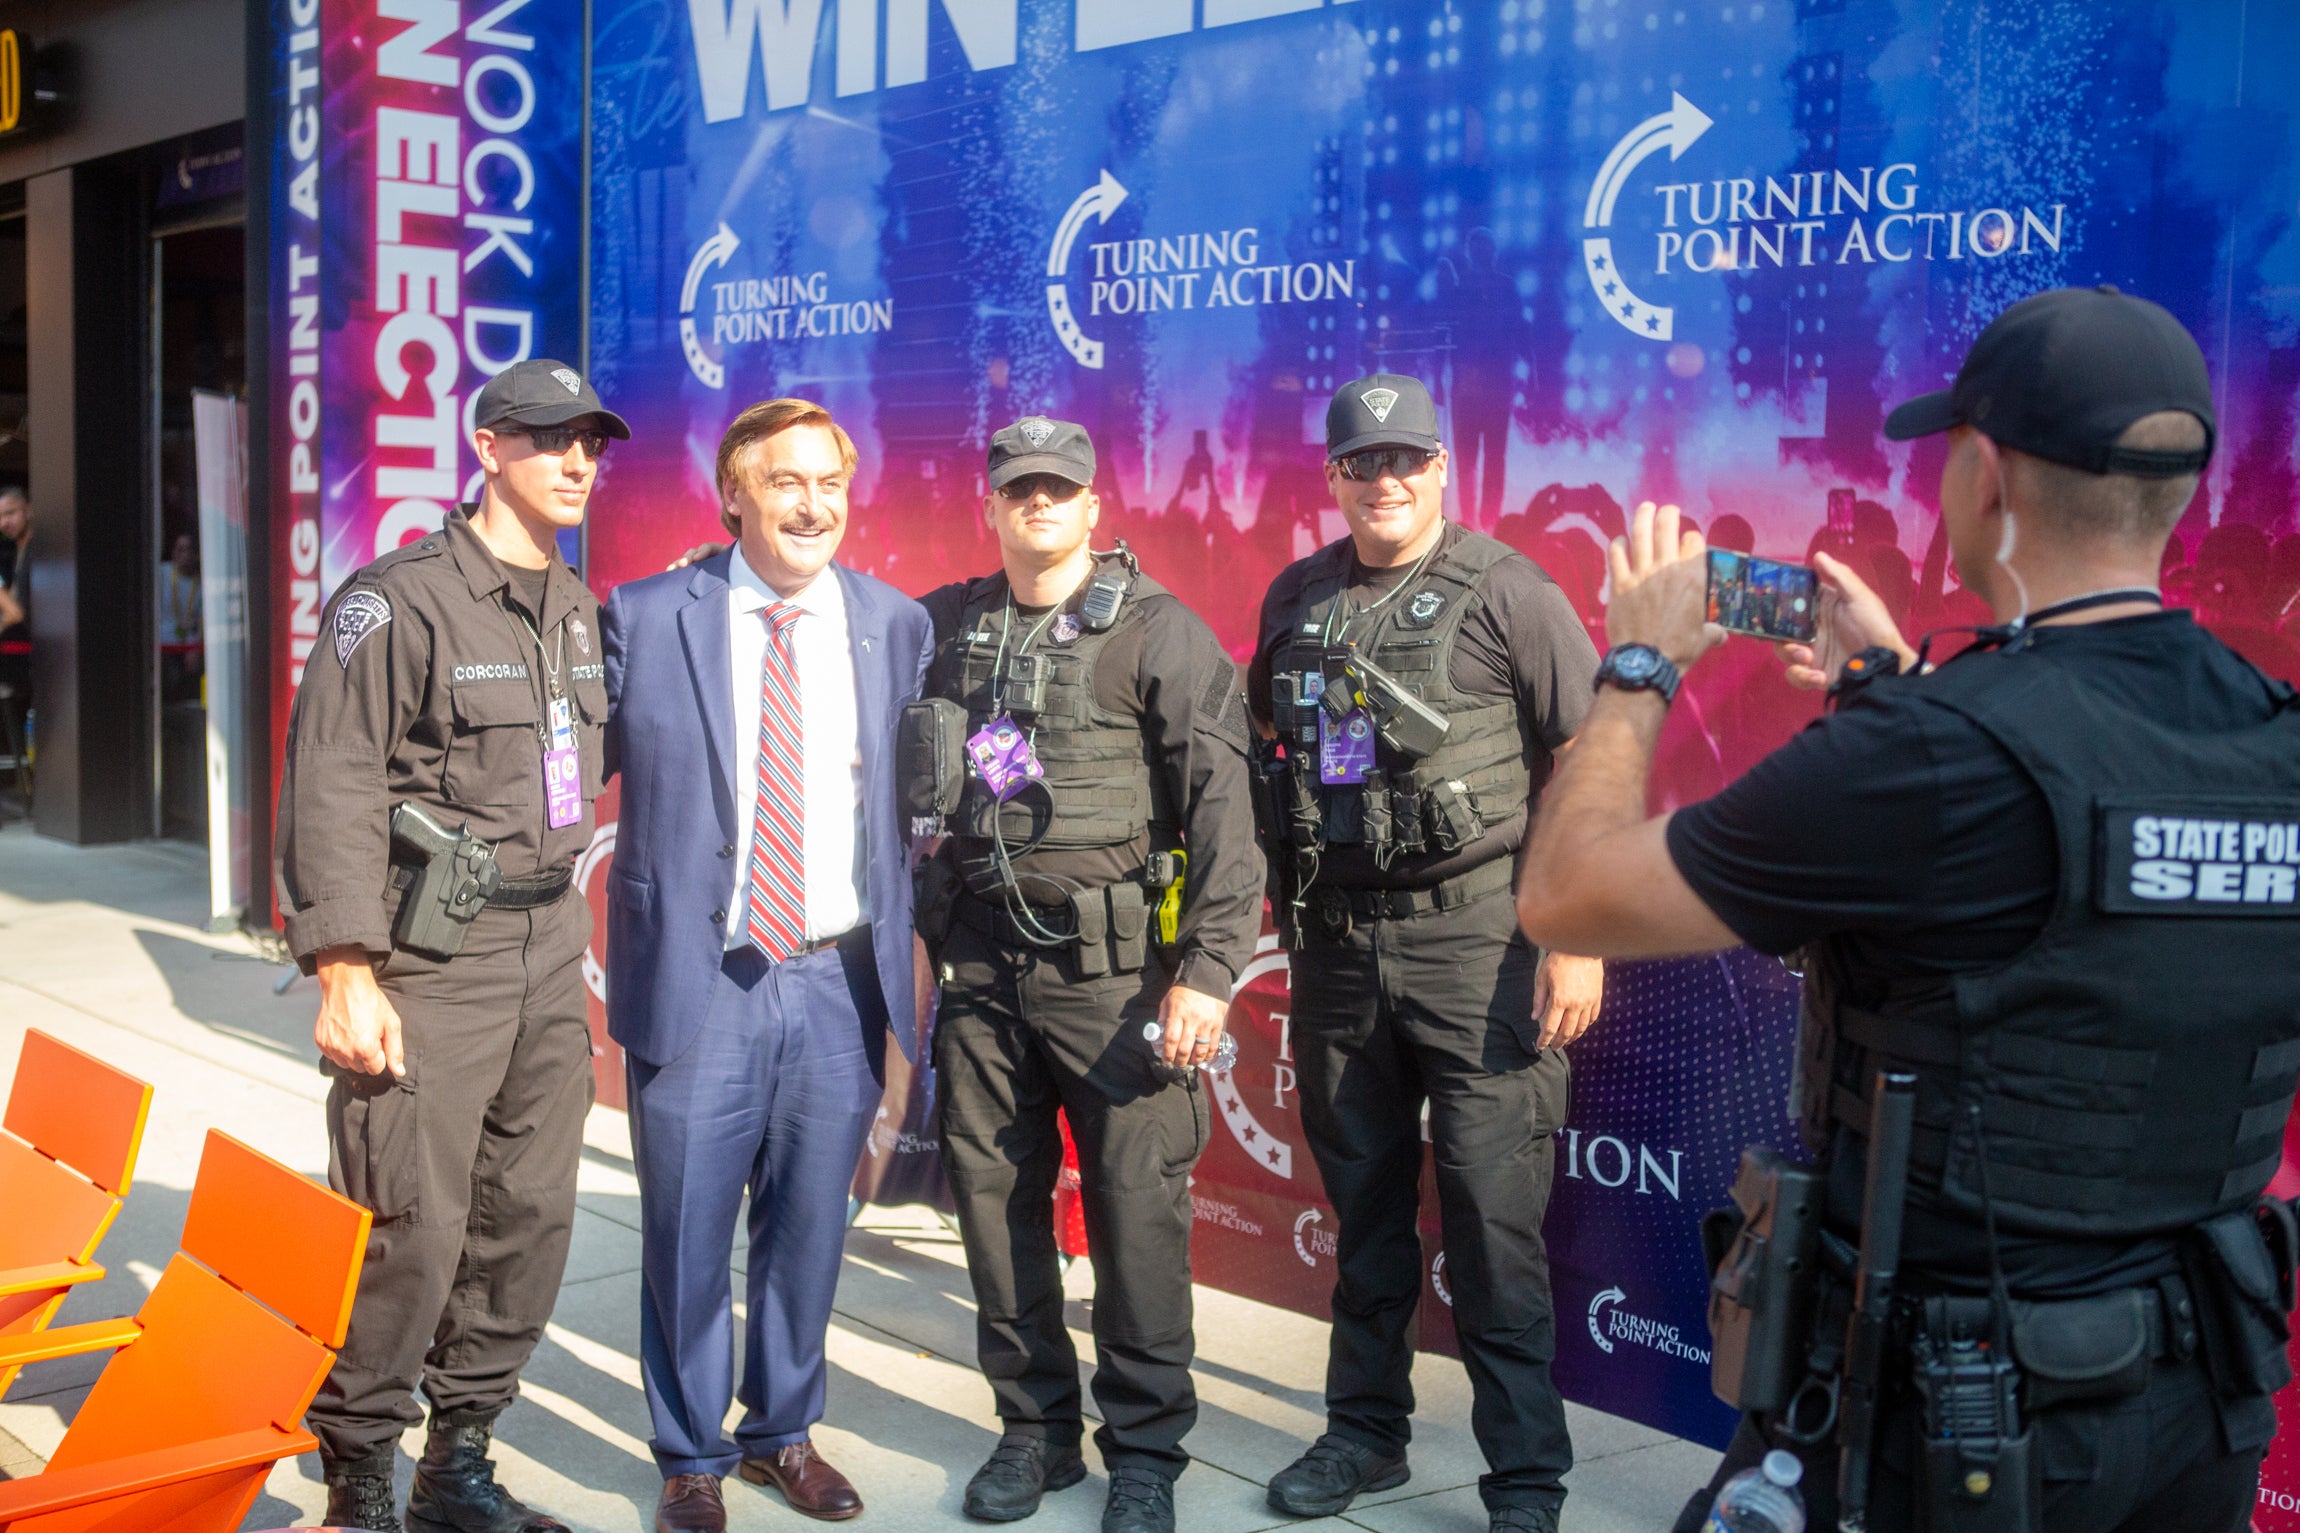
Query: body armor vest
[(1097, 775), (1474, 781), (2130, 1072)]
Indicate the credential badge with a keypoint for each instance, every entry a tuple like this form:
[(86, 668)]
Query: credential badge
[(1380, 402), (360, 614), (1037, 429), (568, 380)]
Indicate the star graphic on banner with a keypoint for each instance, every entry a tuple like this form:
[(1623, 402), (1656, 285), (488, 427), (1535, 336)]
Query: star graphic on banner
[(1628, 309), (1611, 288), (1598, 262), (1652, 323), (1250, 1135), (1273, 1155)]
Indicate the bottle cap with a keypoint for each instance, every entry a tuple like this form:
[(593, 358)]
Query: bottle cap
[(1783, 1467)]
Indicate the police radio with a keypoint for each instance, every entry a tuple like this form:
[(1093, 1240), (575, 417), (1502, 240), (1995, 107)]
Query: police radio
[(1106, 592)]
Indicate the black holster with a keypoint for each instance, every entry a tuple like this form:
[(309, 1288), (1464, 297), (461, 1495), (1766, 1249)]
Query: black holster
[(935, 886), (1764, 1274)]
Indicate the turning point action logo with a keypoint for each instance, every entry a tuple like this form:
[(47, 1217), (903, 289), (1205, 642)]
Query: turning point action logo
[(1608, 1323), (1853, 215), (788, 307)]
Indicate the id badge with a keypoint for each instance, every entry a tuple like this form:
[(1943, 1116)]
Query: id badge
[(562, 724), (1345, 748), (563, 786), (1003, 758)]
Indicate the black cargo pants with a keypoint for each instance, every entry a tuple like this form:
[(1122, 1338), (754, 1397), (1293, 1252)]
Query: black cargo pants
[(1437, 1008), (1020, 1034), (469, 1167)]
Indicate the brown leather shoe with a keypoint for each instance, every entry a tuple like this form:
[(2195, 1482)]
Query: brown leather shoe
[(812, 1487), (691, 1504)]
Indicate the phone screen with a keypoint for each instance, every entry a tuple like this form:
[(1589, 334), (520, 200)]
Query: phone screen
[(1762, 597)]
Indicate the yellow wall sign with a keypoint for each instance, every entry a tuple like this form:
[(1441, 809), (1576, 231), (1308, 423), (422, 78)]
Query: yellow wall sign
[(12, 51)]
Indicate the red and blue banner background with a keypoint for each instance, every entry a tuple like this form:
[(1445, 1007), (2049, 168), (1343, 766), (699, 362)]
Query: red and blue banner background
[(1639, 249)]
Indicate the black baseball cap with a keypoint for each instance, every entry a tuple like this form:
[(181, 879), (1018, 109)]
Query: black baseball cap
[(2060, 376), (542, 392), (1386, 410), (1036, 445)]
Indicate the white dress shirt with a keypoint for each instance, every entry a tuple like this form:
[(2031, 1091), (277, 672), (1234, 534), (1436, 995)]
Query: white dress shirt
[(831, 751)]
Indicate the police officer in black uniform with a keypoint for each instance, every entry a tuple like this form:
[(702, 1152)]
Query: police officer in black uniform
[(1414, 680), (1099, 893), (2050, 883), (441, 762)]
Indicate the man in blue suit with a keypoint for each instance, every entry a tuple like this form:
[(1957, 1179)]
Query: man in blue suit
[(758, 945)]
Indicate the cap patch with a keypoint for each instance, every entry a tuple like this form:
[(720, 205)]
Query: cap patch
[(568, 380), (1036, 430), (1380, 402), (361, 614)]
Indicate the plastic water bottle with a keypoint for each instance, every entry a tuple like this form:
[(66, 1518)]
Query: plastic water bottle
[(1225, 1055), (1761, 1500)]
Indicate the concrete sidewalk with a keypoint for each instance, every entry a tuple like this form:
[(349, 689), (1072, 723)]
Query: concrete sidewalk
[(105, 948)]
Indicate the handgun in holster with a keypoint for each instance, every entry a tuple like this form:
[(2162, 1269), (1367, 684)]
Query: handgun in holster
[(1405, 723), (453, 874)]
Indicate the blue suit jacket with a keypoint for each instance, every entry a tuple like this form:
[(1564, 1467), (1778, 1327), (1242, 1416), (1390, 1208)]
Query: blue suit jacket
[(670, 732)]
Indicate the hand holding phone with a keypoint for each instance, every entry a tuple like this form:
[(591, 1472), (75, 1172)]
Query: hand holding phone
[(1763, 598), (1852, 618)]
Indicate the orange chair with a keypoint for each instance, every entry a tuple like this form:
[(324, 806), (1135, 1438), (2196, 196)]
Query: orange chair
[(180, 1431), (67, 1149)]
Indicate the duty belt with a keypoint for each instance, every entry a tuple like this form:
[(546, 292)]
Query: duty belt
[(1335, 911), (978, 914), (533, 893)]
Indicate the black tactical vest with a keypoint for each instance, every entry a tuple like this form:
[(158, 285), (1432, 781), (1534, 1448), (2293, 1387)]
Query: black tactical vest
[(1097, 773), (2133, 1068), (1477, 779)]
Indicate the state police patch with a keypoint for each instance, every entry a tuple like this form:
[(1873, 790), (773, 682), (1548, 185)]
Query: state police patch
[(1423, 609), (360, 614)]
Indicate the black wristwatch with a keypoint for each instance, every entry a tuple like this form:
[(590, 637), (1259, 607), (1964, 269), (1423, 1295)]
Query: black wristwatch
[(1638, 668)]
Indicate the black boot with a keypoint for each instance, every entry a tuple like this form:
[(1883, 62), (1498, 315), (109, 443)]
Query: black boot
[(359, 1492), (455, 1489)]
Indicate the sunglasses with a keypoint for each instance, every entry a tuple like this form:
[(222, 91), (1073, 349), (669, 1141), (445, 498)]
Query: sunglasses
[(1384, 463), (1030, 486), (555, 440)]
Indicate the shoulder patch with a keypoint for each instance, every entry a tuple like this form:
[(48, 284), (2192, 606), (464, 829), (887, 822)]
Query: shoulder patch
[(1422, 609), (359, 614)]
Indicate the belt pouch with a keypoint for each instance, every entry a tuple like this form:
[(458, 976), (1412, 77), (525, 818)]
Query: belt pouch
[(1129, 927), (2012, 1503), (1450, 810), (2243, 1331), (1379, 829), (2082, 1350), (1092, 914)]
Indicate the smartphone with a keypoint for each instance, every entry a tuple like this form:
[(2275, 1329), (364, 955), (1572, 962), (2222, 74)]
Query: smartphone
[(1762, 597)]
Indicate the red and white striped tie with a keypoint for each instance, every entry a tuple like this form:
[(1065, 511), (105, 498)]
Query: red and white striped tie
[(778, 882)]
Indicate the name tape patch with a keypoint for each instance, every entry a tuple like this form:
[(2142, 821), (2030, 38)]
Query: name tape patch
[(2216, 857)]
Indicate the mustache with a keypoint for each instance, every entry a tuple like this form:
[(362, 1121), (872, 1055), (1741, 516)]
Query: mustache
[(807, 524)]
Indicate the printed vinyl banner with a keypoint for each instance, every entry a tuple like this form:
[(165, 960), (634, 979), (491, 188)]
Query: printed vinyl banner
[(1640, 249), (426, 214)]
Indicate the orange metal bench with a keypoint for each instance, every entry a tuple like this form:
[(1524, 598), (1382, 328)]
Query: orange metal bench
[(210, 1380), (68, 1148)]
